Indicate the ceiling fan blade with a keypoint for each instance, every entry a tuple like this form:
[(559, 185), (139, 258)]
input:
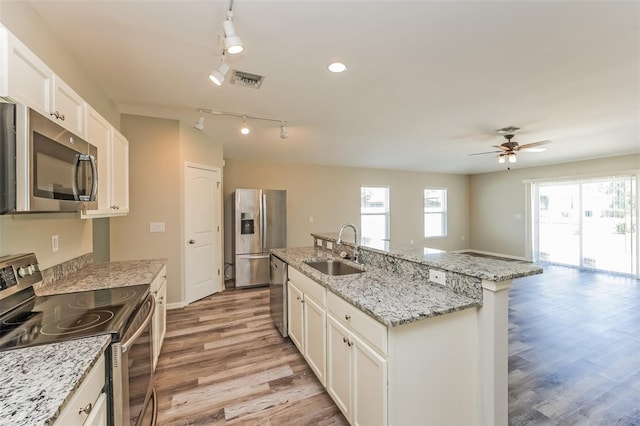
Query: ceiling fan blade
[(532, 149), (502, 147), (531, 145), (488, 152)]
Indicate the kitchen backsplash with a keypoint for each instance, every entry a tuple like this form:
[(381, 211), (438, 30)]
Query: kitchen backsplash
[(64, 269)]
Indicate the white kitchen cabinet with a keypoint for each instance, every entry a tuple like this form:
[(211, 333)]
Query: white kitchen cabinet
[(99, 135), (159, 327), (356, 376), (307, 320), (113, 167), (68, 108), (24, 78), (27, 80), (87, 405), (119, 173)]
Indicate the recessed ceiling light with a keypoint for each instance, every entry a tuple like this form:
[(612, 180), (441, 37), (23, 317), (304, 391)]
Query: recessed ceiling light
[(337, 67)]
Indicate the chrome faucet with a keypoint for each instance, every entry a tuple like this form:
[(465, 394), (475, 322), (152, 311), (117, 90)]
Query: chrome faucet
[(356, 250)]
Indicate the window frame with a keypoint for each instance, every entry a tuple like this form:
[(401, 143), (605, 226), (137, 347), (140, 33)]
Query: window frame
[(444, 210), (386, 214)]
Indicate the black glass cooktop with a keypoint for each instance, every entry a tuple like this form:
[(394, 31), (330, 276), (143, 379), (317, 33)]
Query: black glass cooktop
[(53, 318)]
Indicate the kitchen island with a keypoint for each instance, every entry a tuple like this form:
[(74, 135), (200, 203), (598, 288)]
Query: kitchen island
[(441, 354)]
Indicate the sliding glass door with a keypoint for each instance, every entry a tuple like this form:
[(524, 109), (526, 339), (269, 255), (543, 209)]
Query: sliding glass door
[(588, 223)]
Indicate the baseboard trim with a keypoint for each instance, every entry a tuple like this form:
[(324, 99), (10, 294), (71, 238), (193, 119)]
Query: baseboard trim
[(176, 305)]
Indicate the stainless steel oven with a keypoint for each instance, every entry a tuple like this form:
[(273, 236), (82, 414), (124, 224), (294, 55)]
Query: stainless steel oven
[(132, 371), (125, 313)]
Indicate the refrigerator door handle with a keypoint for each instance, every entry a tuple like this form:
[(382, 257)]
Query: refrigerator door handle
[(263, 221)]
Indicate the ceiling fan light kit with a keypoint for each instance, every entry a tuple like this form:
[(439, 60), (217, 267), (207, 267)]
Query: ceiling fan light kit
[(507, 150)]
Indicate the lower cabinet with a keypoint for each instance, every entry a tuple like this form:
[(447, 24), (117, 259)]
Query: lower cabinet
[(88, 404), (356, 376), (308, 320), (159, 326)]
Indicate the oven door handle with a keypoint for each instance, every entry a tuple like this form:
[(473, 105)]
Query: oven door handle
[(125, 345)]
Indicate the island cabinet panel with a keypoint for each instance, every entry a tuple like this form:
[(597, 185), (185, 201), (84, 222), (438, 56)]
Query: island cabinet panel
[(315, 345), (296, 319), (339, 366), (434, 370)]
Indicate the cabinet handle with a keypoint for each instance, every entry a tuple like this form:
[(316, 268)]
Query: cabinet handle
[(86, 410), (347, 317), (160, 301), (58, 115), (347, 341)]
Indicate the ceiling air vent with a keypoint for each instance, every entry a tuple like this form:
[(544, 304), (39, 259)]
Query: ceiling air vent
[(247, 79)]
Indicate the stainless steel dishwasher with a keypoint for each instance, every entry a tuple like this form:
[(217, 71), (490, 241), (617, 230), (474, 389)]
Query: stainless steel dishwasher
[(278, 294)]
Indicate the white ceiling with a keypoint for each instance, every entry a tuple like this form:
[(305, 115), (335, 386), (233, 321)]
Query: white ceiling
[(427, 83)]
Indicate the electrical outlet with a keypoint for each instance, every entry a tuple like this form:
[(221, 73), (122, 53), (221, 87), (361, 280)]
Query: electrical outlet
[(438, 277), (329, 245), (156, 227), (54, 243)]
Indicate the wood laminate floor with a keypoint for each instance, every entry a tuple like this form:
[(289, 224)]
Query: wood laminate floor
[(574, 358)]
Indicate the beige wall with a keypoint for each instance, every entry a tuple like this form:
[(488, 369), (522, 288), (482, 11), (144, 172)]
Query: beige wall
[(497, 197), (331, 195), (158, 149), (25, 233), (28, 26)]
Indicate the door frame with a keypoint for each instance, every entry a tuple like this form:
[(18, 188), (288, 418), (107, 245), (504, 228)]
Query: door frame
[(188, 164)]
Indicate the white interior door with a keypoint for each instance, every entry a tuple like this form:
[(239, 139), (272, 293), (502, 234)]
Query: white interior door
[(203, 275)]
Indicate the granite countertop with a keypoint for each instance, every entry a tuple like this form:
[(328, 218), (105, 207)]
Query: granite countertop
[(105, 275), (38, 381), (485, 268), (390, 299)]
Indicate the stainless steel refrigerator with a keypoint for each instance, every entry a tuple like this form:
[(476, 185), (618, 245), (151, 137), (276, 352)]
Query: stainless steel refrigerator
[(260, 224)]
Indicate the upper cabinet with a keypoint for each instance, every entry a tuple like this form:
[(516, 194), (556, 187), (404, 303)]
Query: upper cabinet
[(27, 80), (68, 108), (113, 167)]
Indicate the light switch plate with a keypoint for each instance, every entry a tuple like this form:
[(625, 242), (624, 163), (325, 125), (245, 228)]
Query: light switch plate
[(156, 227)]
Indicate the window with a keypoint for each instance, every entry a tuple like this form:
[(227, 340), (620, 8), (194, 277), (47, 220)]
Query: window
[(374, 213), (435, 213)]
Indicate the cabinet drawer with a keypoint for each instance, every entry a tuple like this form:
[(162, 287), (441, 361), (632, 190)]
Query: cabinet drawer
[(362, 324), (88, 393), (308, 286)]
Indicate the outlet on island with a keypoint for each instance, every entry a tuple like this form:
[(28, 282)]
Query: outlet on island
[(438, 277)]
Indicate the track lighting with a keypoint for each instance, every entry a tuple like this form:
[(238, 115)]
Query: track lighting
[(218, 75), (245, 129), (232, 43), (200, 123)]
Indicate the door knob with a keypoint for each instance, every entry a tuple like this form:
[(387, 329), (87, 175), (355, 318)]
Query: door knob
[(192, 241)]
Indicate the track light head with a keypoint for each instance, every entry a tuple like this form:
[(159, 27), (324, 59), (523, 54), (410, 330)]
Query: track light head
[(232, 43), (245, 129), (283, 132), (218, 75), (199, 124)]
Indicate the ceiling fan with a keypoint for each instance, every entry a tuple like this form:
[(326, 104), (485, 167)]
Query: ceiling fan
[(507, 150)]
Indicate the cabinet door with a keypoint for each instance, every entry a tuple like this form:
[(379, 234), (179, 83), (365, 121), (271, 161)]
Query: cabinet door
[(369, 385), (119, 173), (315, 347), (68, 108), (98, 415), (26, 80), (99, 134), (162, 313), (295, 314), (339, 368)]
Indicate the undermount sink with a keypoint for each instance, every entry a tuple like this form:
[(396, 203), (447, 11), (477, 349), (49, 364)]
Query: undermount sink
[(333, 267)]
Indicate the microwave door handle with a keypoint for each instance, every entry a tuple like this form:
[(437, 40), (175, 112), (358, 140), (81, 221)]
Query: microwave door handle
[(94, 181), (75, 181)]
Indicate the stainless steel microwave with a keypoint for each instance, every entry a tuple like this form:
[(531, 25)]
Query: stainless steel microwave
[(46, 168)]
